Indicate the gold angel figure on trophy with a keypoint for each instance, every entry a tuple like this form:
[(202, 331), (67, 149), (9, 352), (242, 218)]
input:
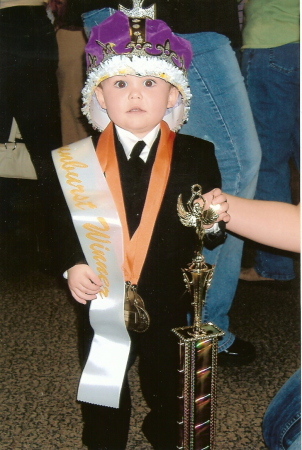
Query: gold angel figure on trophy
[(195, 215)]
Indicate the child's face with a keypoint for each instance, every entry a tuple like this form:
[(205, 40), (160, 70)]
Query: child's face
[(136, 104)]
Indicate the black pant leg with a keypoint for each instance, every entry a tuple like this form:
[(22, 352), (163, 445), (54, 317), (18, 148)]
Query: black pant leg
[(158, 363), (107, 428), (28, 83), (29, 92)]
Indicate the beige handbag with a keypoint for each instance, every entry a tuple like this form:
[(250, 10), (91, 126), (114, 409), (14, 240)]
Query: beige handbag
[(15, 161)]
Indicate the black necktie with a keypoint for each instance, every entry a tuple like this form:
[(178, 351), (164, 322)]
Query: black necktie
[(134, 188), (137, 150), (135, 161)]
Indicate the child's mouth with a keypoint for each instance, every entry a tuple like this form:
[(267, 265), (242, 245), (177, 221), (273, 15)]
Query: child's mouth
[(135, 110)]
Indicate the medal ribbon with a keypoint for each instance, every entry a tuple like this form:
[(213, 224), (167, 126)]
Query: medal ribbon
[(135, 249)]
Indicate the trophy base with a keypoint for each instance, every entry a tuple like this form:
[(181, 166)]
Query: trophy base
[(197, 386)]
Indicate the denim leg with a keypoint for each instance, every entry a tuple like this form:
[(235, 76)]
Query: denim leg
[(272, 80), (220, 113), (282, 421), (93, 18)]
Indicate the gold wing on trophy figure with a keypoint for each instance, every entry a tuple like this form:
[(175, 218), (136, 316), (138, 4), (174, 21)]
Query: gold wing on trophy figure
[(195, 215), (209, 216), (191, 217)]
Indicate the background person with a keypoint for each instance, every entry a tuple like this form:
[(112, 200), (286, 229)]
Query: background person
[(29, 93), (275, 224), (271, 69)]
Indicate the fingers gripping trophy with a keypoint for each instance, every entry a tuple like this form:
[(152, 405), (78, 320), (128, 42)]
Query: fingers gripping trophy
[(197, 343)]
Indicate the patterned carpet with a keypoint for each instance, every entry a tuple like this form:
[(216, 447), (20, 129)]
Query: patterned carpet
[(39, 361)]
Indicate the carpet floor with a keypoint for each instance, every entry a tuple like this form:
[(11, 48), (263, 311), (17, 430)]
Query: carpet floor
[(39, 362)]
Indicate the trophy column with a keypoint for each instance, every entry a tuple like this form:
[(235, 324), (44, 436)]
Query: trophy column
[(197, 343)]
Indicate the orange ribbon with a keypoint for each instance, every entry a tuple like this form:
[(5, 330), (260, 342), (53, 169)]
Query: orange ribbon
[(136, 248)]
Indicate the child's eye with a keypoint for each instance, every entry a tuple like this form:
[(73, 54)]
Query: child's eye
[(149, 83), (120, 84)]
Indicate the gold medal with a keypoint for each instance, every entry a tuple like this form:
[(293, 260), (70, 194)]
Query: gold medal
[(136, 317)]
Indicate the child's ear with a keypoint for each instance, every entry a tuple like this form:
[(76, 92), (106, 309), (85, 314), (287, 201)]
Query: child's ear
[(173, 96), (100, 96)]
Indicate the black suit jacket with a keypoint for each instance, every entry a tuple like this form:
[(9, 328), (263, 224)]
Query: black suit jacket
[(172, 245)]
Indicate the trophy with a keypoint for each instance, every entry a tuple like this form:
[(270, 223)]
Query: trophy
[(198, 343)]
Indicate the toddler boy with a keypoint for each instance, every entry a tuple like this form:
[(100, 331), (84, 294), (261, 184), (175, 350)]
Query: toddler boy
[(137, 90)]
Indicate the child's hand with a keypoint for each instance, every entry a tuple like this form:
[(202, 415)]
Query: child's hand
[(217, 199), (83, 283)]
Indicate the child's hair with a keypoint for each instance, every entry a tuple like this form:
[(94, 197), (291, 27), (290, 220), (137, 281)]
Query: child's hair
[(122, 45)]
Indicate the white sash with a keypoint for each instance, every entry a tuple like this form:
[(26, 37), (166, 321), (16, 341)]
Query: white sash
[(99, 230)]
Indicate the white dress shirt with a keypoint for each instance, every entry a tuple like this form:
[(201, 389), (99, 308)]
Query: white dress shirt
[(128, 140)]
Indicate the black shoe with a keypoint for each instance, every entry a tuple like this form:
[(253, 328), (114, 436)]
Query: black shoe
[(238, 354), (160, 433)]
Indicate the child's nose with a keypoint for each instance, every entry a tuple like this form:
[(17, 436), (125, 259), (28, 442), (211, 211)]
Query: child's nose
[(135, 93)]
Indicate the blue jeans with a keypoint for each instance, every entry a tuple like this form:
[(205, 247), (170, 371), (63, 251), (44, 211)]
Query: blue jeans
[(282, 421), (94, 17), (220, 113), (273, 85)]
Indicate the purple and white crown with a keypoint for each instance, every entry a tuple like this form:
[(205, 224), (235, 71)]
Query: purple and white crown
[(141, 46)]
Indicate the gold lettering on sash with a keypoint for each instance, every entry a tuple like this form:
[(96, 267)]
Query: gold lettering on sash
[(72, 178), (79, 188), (97, 233)]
